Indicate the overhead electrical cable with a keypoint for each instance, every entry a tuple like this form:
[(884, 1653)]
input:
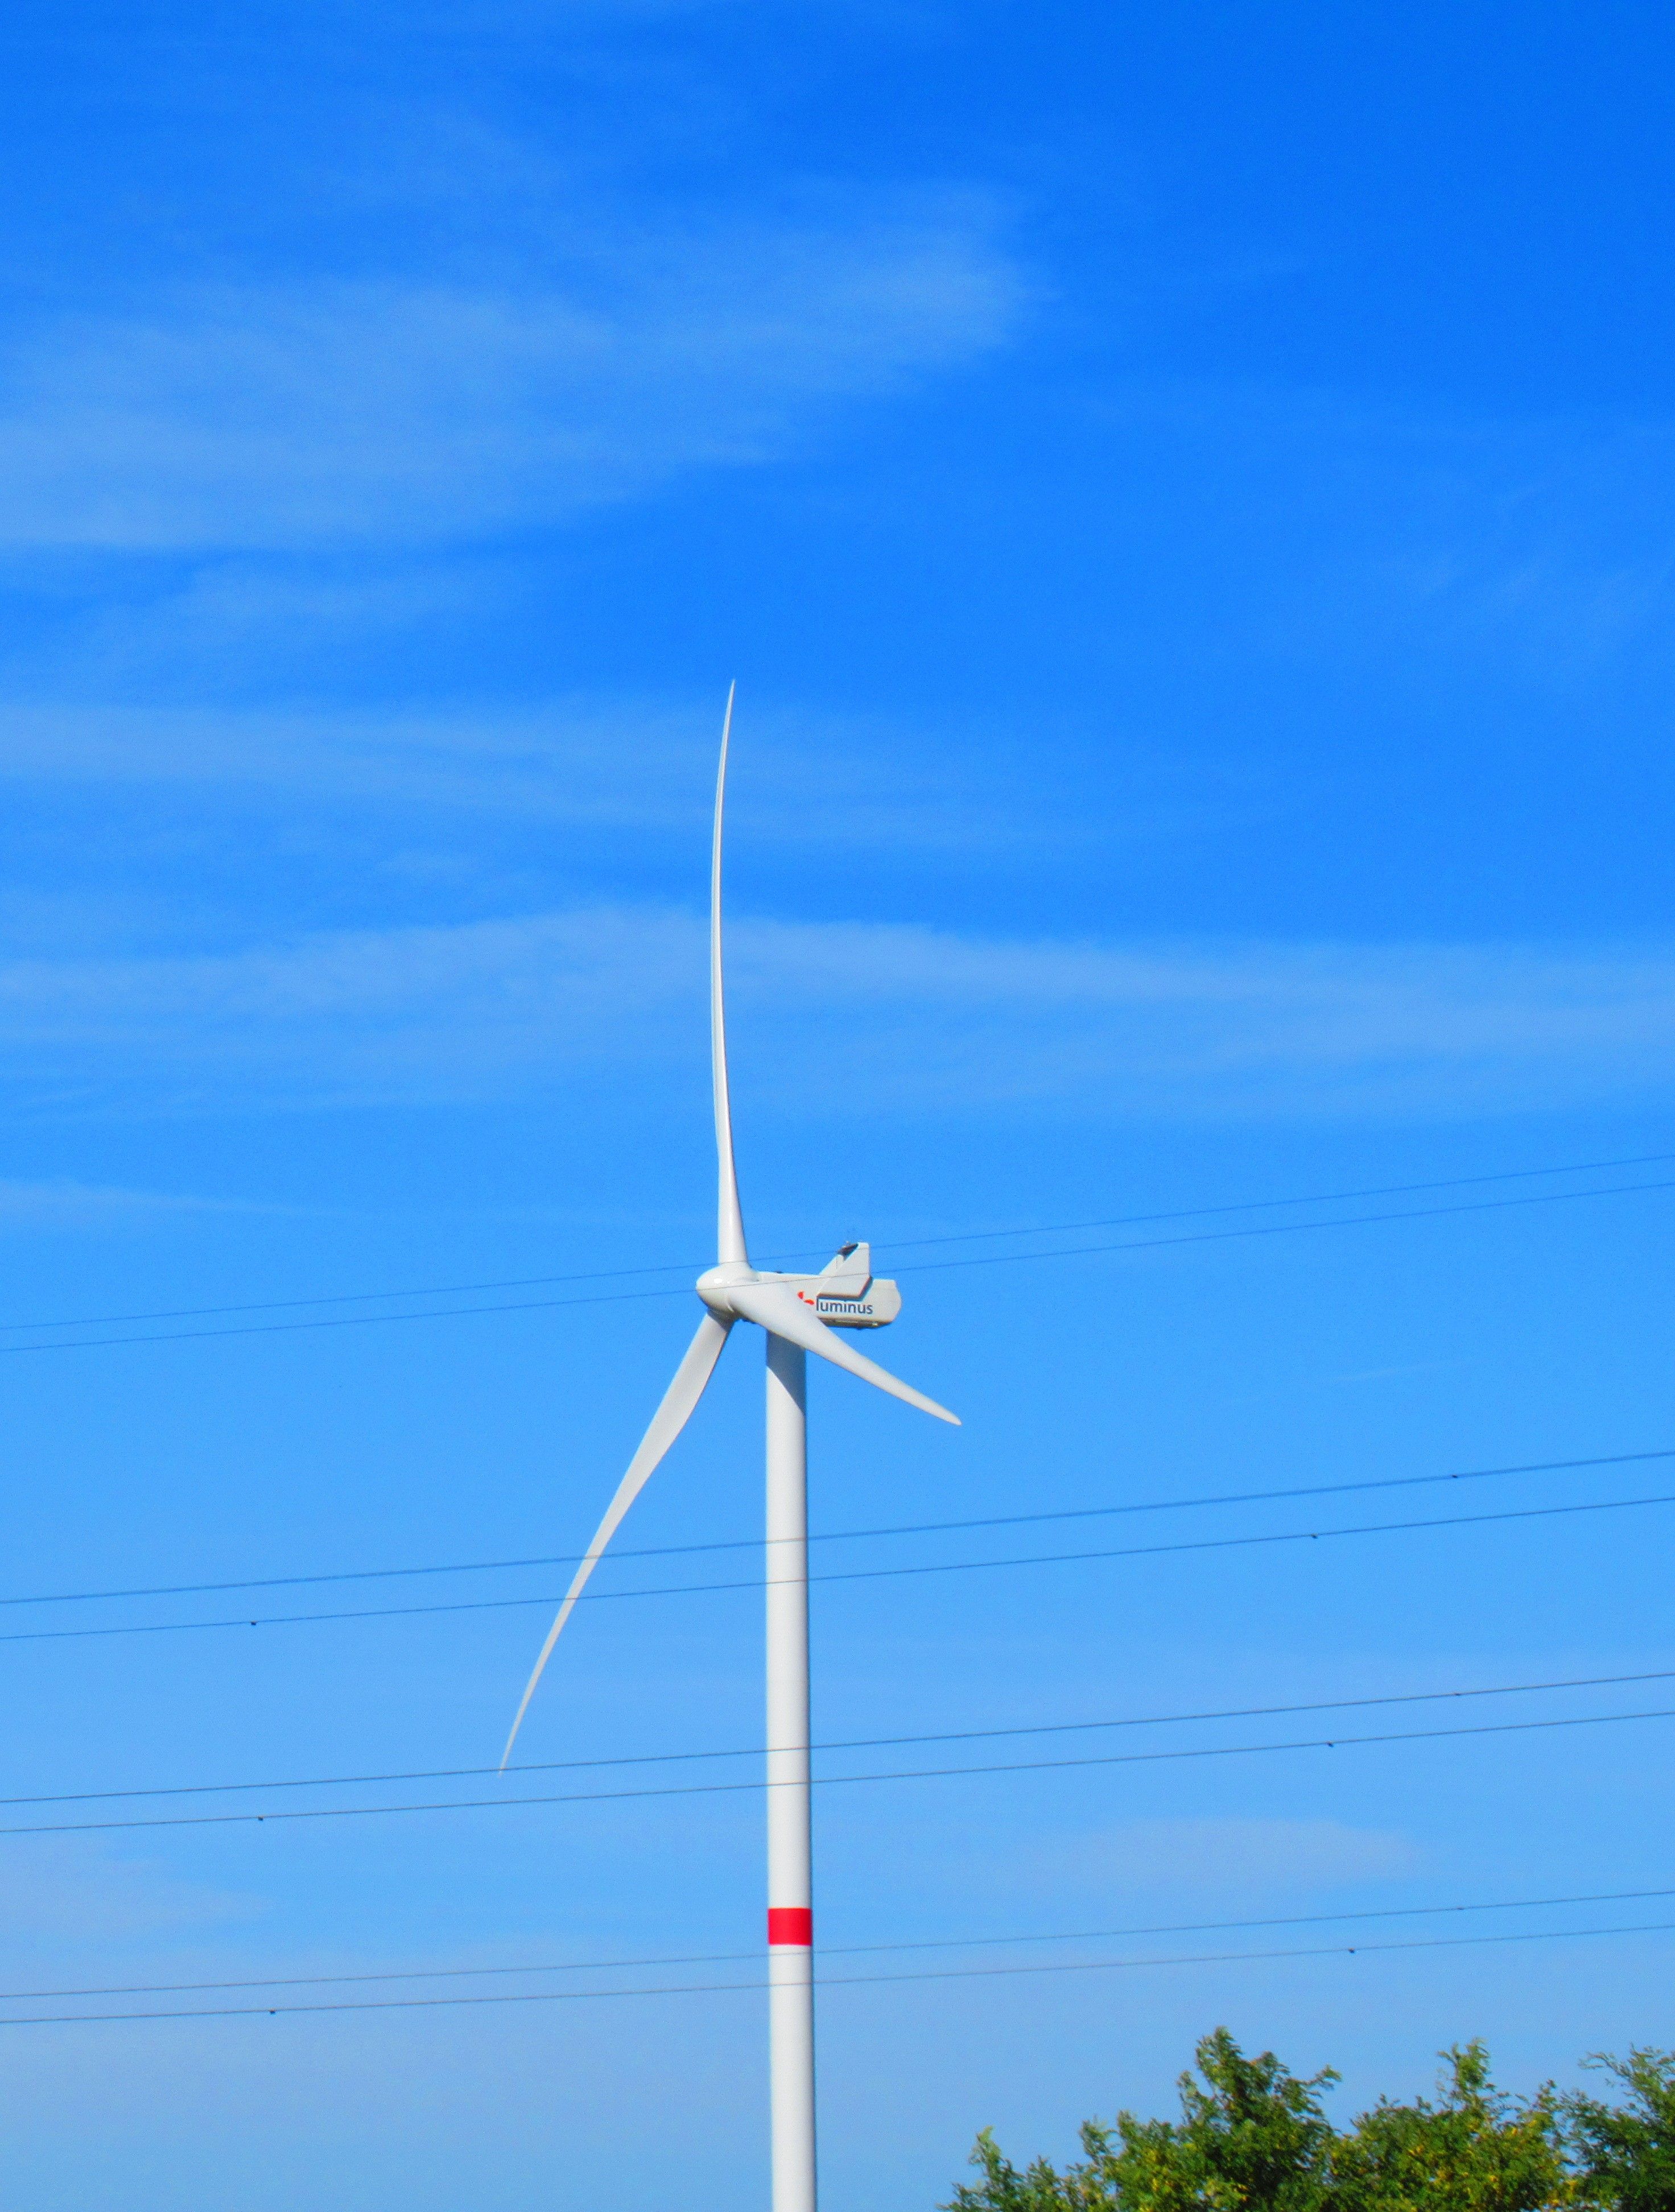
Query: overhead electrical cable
[(837, 1574), (847, 1535), (852, 1743), (839, 1981), (832, 1950), (1293, 1228), (983, 1260), (894, 1244), (1266, 1205), (828, 1781)]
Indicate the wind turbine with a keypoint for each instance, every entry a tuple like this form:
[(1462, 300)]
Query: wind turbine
[(799, 1314)]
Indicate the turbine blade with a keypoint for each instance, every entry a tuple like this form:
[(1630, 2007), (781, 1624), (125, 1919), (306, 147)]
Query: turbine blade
[(669, 1419), (730, 1223), (776, 1306)]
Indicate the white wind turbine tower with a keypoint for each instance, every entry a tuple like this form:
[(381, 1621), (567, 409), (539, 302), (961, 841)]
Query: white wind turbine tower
[(799, 1314)]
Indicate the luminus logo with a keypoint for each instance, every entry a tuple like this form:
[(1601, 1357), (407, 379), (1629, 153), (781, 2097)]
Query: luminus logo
[(829, 1304)]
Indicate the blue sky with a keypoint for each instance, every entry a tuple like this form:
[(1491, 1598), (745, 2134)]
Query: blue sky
[(1187, 497)]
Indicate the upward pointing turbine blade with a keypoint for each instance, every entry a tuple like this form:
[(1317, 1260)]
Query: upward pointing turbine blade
[(671, 1418), (777, 1308), (730, 1223)]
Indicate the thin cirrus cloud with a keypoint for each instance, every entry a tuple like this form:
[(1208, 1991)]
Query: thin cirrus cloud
[(71, 1205), (1245, 1854), (67, 1900), (580, 761), (923, 1020), (591, 765), (338, 413)]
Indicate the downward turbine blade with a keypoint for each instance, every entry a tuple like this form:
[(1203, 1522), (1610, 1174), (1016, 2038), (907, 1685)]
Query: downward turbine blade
[(729, 1222), (669, 1419), (776, 1306)]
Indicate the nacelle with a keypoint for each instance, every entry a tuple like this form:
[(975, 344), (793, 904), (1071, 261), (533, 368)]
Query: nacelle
[(845, 1293)]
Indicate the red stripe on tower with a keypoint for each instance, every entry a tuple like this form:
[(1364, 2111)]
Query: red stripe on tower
[(790, 1923)]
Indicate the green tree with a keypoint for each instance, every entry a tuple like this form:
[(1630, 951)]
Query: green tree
[(1624, 2155), (1250, 2133), (1475, 2150), (1253, 2138), (1003, 2189)]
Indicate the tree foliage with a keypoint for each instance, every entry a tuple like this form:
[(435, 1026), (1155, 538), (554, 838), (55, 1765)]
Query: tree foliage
[(1252, 2136), (1475, 2150), (1626, 2152)]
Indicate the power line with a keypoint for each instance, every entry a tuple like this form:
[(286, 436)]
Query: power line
[(1293, 1228), (846, 1535), (366, 1297), (835, 1574), (852, 1743), (832, 1950), (827, 1781), (1250, 1206), (986, 1260), (348, 1321), (837, 1981), (896, 1245)]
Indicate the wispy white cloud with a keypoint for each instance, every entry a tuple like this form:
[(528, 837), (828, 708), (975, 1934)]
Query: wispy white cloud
[(578, 761), (597, 764), (62, 1896), (1238, 1854), (62, 1205), (1540, 542), (1241, 1027), (343, 412), (919, 1020)]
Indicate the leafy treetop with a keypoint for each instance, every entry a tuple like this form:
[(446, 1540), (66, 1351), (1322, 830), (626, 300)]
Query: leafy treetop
[(1255, 2137)]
